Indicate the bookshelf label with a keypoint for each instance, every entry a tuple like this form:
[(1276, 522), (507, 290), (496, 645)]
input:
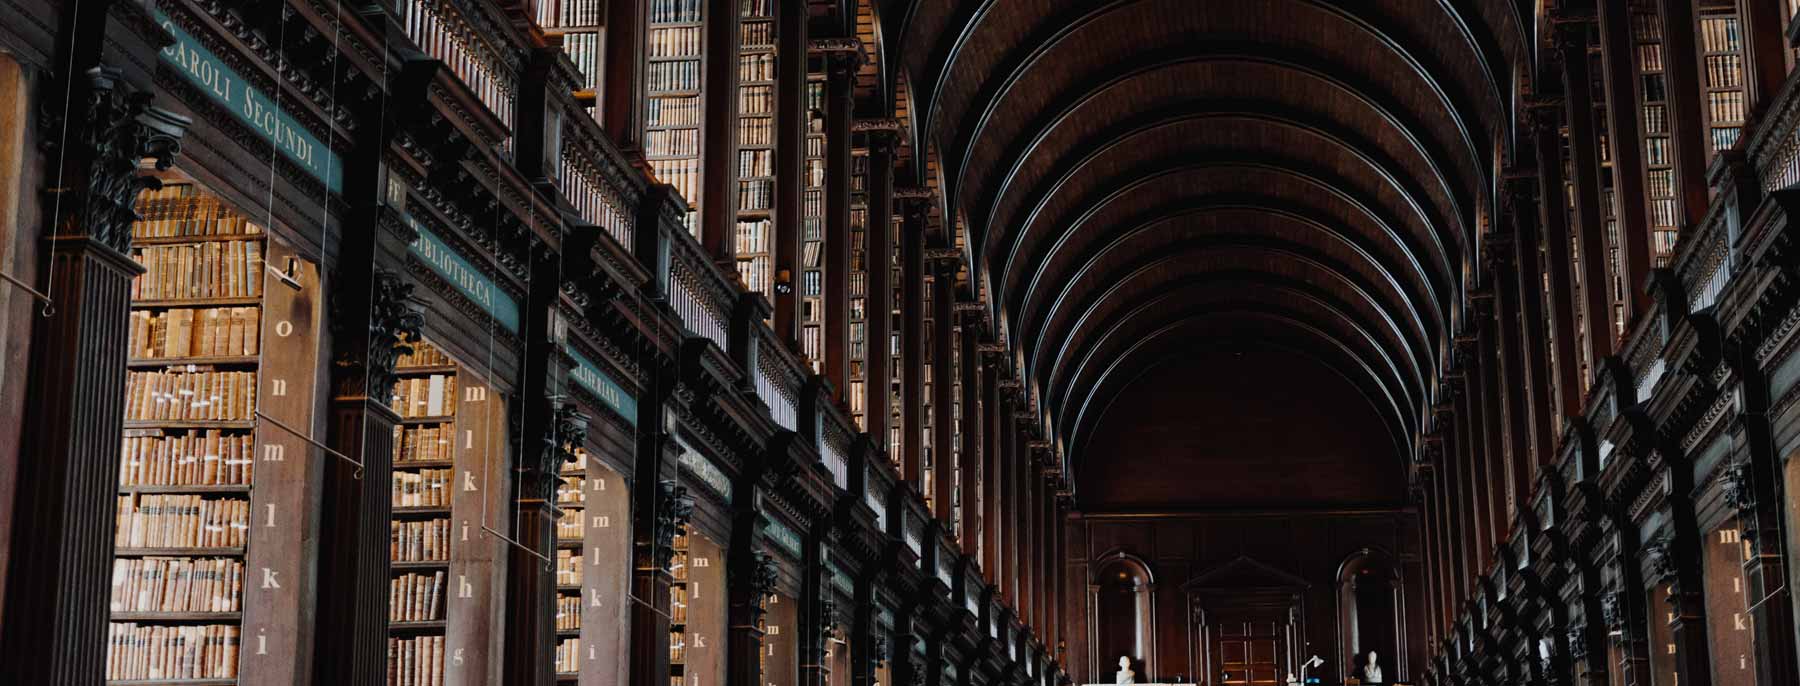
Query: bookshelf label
[(464, 277), (269, 579), (226, 87), (601, 384)]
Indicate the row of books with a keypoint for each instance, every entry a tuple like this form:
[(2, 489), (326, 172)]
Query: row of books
[(756, 194), (674, 11), (756, 101), (756, 8), (672, 142), (756, 163), (190, 396), (756, 34), (568, 526), (438, 31), (1719, 33), (177, 584), (416, 597), (423, 488), (420, 541), (168, 653), (753, 236), (677, 75), (416, 661), (673, 111), (213, 269), (571, 491), (568, 567), (683, 174), (422, 443), (568, 656), (568, 612), (756, 131), (425, 396), (181, 521), (584, 49), (561, 13), (677, 41), (192, 458), (180, 211), (189, 332), (1725, 107), (759, 66), (422, 355), (1724, 71), (677, 653)]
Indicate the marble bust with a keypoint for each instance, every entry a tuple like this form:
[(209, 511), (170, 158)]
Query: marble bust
[(1125, 675), (1372, 670)]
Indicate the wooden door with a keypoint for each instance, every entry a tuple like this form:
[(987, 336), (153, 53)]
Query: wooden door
[(1249, 651)]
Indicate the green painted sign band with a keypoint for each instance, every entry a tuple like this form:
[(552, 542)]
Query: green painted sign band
[(704, 470), (786, 538), (463, 276), (225, 86), (601, 384)]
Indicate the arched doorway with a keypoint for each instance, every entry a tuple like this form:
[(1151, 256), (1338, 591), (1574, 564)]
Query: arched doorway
[(1122, 597), (1370, 614), (1249, 624)]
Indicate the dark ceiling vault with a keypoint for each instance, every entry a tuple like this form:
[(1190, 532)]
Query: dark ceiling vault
[(1141, 178)]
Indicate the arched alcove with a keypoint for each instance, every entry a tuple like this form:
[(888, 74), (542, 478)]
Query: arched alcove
[(1371, 615), (1122, 597)]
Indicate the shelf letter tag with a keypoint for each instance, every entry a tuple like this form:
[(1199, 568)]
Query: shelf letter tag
[(464, 589), (469, 481), (269, 579)]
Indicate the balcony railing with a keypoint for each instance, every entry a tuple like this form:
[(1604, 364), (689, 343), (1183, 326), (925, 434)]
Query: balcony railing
[(456, 35)]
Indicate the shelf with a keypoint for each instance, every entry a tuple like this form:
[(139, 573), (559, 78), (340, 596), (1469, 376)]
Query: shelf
[(674, 58), (439, 419), (414, 566), (568, 677), (569, 544), (137, 241), (416, 627), (676, 94), (421, 512), (424, 464), (178, 552), (567, 588), (211, 360), (193, 490), (177, 617), (675, 25), (173, 682), (425, 369), (188, 424), (198, 302), (568, 633)]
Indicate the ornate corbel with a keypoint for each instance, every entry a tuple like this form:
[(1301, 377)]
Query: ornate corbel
[(112, 132), (394, 324), (567, 431), (675, 508)]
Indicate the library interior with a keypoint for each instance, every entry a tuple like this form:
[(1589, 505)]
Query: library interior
[(899, 342)]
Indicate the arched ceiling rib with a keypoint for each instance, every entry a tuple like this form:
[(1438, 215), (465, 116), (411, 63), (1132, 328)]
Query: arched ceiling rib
[(1146, 176)]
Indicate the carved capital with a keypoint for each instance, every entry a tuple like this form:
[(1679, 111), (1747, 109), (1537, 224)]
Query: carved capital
[(763, 577), (562, 439), (101, 141), (1660, 559), (394, 324), (1612, 611), (1737, 487), (675, 508)]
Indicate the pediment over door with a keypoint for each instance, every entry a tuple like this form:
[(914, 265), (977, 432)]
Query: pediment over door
[(1245, 573)]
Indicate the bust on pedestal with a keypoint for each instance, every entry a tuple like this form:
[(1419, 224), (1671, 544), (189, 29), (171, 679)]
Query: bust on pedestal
[(1125, 675), (1372, 670)]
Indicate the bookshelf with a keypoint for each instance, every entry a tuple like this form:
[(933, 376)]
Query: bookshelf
[(448, 457), (697, 611), (674, 79), (812, 228), (756, 146), (1721, 74), (1659, 172), (678, 610), (571, 505), (780, 653), (195, 575), (440, 29), (581, 24), (859, 286), (603, 580)]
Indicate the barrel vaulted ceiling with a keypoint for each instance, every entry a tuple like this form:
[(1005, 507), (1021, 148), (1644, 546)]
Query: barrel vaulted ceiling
[(1145, 177)]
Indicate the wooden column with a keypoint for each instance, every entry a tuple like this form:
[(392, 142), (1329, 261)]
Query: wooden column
[(1477, 484), (1623, 112), (840, 101), (1754, 490), (1589, 230), (1511, 379), (55, 626), (622, 76), (943, 390), (1028, 530), (790, 164), (719, 135), (548, 435), (1429, 548), (1559, 267), (912, 344), (879, 235), (1492, 399), (1534, 340), (971, 460), (1447, 549), (1008, 502), (751, 577), (992, 471), (1466, 499), (1688, 140)]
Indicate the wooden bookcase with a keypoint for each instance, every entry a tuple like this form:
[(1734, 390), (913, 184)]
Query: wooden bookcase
[(1659, 172), (450, 481), (859, 287), (697, 645), (812, 228), (211, 530), (581, 25), (602, 584), (674, 80), (1721, 74), (756, 146)]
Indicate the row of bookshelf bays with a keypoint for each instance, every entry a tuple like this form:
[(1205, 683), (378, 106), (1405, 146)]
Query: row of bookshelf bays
[(212, 505), (697, 611)]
